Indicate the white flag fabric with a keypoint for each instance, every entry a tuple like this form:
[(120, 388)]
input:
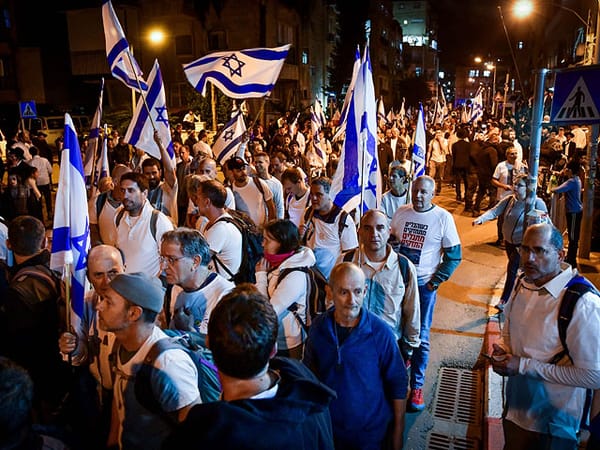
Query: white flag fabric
[(71, 230), (122, 64), (402, 115), (477, 107), (102, 168), (357, 176), (230, 139), (381, 111), (140, 133), (420, 146), (315, 128), (249, 73), (91, 151)]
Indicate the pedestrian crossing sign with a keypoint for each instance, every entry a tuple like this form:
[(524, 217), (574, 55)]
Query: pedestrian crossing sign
[(576, 96), (27, 110)]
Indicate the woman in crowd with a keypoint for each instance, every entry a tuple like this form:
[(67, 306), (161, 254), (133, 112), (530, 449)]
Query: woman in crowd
[(286, 288), (512, 208)]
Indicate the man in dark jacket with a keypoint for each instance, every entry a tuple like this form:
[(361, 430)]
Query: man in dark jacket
[(460, 166), (266, 403), (29, 315), (487, 160)]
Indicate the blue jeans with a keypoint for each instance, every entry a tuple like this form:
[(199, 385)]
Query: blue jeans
[(514, 260), (420, 356)]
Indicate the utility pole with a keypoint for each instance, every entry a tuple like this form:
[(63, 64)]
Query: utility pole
[(585, 244)]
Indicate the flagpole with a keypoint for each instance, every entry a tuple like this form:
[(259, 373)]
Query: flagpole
[(137, 79), (213, 105)]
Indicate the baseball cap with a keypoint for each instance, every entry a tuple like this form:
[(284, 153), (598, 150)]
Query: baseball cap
[(140, 289), (235, 163)]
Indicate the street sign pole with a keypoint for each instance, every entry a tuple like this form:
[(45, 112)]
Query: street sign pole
[(585, 240)]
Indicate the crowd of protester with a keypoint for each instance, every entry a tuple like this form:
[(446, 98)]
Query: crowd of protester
[(169, 258)]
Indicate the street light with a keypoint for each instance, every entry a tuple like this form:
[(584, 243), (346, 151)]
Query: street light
[(592, 57)]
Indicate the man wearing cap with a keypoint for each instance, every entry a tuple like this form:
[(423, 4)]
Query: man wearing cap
[(252, 195), (129, 308)]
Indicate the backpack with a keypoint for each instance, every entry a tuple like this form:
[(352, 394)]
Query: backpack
[(403, 263), (209, 384), (153, 220), (100, 201), (252, 247), (316, 298), (576, 287), (308, 217)]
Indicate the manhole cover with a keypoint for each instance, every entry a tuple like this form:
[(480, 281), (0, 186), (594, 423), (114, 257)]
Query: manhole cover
[(459, 397), (442, 442)]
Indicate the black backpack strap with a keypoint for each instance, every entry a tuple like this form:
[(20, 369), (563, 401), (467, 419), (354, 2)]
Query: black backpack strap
[(259, 186), (119, 217), (342, 223), (576, 287), (100, 201), (293, 308), (214, 256), (349, 255)]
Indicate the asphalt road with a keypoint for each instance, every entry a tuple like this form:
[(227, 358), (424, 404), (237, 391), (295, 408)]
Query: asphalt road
[(460, 317)]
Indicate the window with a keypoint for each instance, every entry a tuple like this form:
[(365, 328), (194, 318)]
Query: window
[(217, 40), (473, 73), (183, 45), (520, 45), (285, 35), (305, 56)]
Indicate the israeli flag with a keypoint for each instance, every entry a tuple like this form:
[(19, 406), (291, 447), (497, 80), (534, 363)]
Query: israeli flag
[(420, 146), (315, 127), (122, 64), (247, 73), (102, 169), (230, 139), (149, 115), (381, 111), (93, 139), (477, 108), (357, 175), (71, 231)]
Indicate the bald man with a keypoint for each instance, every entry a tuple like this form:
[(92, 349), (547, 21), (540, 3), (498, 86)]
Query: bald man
[(355, 353), (91, 345)]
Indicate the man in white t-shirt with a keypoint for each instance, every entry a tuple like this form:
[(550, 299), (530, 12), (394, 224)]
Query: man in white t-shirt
[(326, 228), (162, 194), (427, 235), (102, 210), (296, 193), (261, 163), (138, 232), (224, 238), (129, 308), (252, 195)]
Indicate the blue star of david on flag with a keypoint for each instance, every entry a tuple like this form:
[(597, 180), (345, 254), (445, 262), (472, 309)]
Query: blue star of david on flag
[(234, 71), (230, 139)]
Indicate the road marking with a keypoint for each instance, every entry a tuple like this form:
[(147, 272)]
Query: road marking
[(457, 332)]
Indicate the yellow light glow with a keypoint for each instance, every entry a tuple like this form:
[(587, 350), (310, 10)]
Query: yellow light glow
[(490, 67), (523, 8), (477, 59), (156, 37)]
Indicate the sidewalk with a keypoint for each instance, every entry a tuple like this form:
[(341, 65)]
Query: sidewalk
[(493, 399)]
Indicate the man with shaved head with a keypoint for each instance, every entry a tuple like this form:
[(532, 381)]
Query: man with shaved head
[(427, 236), (355, 353), (90, 346)]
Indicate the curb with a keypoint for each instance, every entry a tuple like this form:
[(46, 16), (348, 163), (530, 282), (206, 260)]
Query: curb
[(493, 401)]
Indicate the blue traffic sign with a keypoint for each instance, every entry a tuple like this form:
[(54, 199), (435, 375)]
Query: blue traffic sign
[(27, 110), (576, 97)]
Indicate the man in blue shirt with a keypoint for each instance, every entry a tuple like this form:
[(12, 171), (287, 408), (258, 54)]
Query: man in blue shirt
[(355, 353), (574, 208)]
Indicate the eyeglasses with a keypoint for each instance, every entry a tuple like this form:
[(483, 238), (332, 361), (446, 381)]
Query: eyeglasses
[(537, 251), (170, 260)]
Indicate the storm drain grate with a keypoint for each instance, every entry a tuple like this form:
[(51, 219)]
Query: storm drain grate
[(459, 396), (442, 442)]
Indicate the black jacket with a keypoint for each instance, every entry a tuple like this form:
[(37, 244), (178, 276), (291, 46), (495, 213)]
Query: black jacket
[(297, 418)]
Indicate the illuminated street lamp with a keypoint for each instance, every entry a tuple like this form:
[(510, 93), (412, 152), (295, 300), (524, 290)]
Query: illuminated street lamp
[(157, 37), (592, 57)]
